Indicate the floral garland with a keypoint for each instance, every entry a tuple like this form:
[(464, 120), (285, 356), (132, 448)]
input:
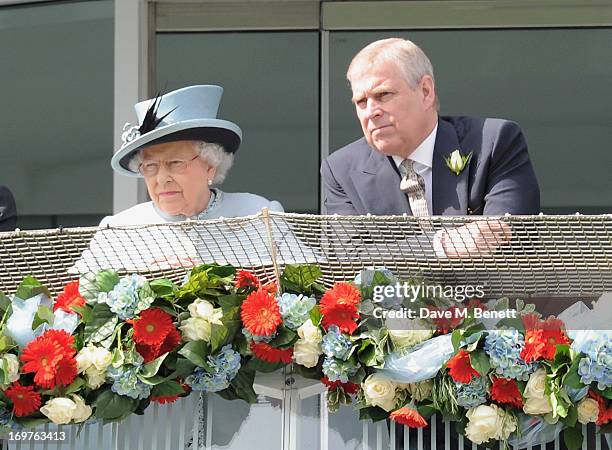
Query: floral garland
[(108, 346)]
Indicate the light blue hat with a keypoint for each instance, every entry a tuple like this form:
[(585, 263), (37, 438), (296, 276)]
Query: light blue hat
[(187, 114)]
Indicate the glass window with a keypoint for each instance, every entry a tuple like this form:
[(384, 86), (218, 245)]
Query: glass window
[(57, 111), (271, 90), (553, 82)]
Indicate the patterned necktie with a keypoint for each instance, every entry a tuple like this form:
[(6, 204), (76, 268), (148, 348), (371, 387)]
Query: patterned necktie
[(413, 185)]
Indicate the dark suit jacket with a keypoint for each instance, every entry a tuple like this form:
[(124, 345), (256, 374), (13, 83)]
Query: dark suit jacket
[(8, 210), (499, 178)]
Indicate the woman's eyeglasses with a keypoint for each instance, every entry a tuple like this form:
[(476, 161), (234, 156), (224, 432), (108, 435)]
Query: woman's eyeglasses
[(173, 166)]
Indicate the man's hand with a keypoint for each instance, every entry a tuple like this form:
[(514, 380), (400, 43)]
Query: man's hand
[(482, 237)]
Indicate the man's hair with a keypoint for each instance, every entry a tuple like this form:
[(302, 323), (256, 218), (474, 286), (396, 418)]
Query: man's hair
[(212, 153), (405, 54)]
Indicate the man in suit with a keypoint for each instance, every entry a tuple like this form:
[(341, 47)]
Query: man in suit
[(8, 210), (399, 166)]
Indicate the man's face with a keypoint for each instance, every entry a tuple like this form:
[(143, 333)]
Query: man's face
[(394, 118)]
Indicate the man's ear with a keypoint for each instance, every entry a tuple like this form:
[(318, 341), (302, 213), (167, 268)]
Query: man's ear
[(428, 91)]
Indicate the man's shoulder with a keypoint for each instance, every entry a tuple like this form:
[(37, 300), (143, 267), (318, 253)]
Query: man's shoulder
[(140, 214), (353, 153), (466, 125)]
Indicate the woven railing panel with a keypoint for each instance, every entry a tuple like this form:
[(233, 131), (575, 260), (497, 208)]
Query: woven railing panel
[(556, 256)]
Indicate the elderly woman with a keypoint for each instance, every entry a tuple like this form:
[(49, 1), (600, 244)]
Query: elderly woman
[(181, 150)]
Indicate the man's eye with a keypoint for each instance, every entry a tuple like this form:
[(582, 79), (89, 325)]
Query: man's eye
[(361, 102)]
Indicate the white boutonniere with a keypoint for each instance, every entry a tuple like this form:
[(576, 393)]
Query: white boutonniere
[(456, 162)]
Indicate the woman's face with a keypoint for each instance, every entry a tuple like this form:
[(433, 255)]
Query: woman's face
[(177, 180)]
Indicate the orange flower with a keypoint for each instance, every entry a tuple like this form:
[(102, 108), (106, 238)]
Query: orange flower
[(341, 293), (460, 368), (409, 417), (349, 388), (246, 279), (152, 327), (542, 338), (267, 353), (25, 399), (505, 390), (51, 358), (260, 313), (342, 315), (69, 298)]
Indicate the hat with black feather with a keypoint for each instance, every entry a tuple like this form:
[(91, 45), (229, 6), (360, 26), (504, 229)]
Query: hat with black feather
[(187, 114)]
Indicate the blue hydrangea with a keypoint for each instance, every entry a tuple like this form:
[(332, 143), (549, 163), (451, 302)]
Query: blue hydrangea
[(337, 370), (223, 368), (7, 422), (255, 337), (336, 344), (295, 309), (596, 366), (130, 296), (126, 382), (472, 394), (504, 349)]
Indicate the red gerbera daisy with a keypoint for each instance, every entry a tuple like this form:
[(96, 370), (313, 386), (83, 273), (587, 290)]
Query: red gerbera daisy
[(605, 414), (341, 293), (409, 417), (349, 388), (460, 367), (505, 390), (152, 327), (172, 340), (445, 325), (163, 399), (69, 298), (542, 338), (25, 399), (270, 287), (260, 313), (267, 353), (151, 352), (245, 279), (42, 356), (64, 339), (342, 315), (65, 372)]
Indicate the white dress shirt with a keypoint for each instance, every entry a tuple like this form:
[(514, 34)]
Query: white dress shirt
[(423, 163)]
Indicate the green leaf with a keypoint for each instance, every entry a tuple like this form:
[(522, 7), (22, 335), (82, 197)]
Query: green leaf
[(154, 380), (6, 343), (227, 302), (101, 325), (284, 338), (426, 411), (607, 393), (5, 302), (456, 337), (572, 416), (167, 389), (183, 368), (301, 275), (257, 365), (315, 315), (480, 362), (74, 386), (243, 385), (44, 314), (85, 312), (372, 412), (218, 335), (151, 368), (573, 438), (162, 287), (562, 356), (31, 287), (109, 406), (196, 352), (512, 322), (106, 280)]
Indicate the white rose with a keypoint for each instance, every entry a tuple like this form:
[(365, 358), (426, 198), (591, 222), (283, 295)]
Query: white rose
[(536, 400), (203, 309), (101, 358), (10, 363), (84, 358), (487, 422), (588, 410), (379, 391), (306, 353), (95, 378), (309, 333), (59, 410), (83, 411), (195, 329)]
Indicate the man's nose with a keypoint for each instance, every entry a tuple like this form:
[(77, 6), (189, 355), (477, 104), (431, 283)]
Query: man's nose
[(373, 109)]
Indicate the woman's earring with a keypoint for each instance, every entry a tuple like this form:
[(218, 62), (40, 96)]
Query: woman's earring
[(210, 182)]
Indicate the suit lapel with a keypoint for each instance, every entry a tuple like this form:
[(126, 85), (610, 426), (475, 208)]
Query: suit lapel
[(449, 191), (378, 183)]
